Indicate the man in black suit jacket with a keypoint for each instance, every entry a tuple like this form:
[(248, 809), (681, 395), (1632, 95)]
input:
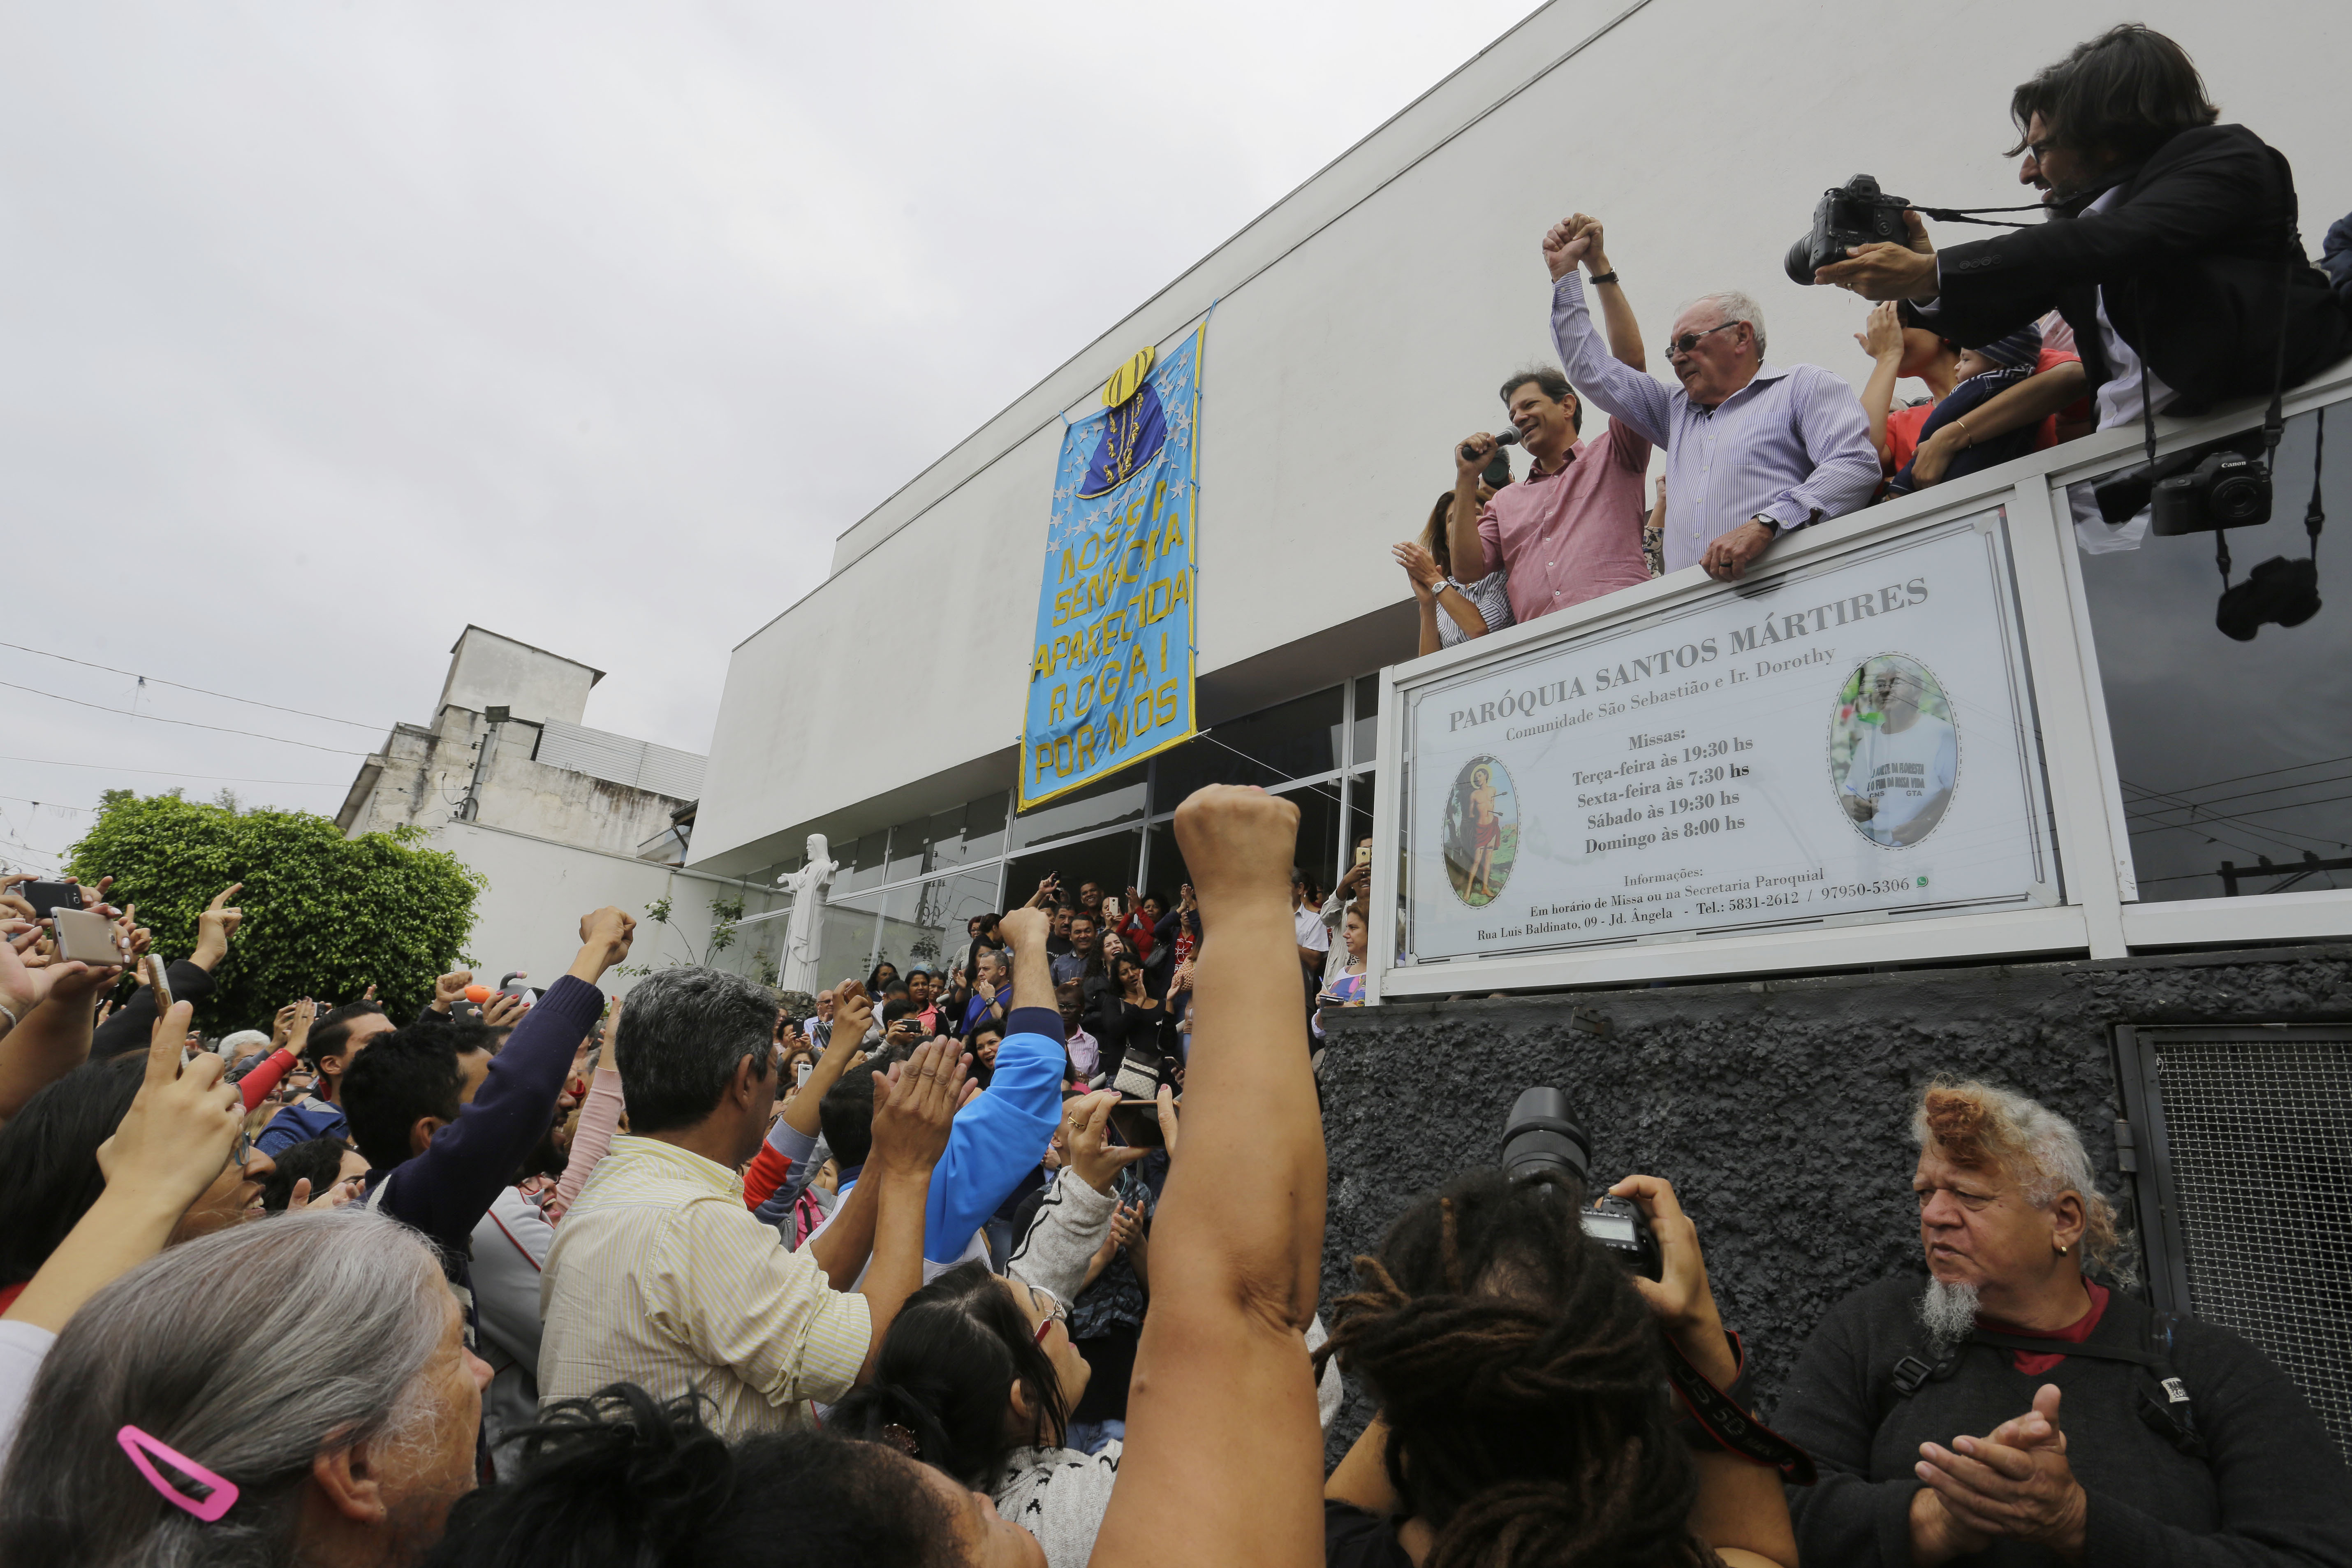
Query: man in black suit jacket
[(2171, 246)]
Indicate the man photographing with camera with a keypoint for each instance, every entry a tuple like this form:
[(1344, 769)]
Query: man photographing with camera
[(1753, 450), (2172, 247)]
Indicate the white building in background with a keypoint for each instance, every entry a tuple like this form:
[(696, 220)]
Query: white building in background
[(506, 749), (1361, 328), (558, 818)]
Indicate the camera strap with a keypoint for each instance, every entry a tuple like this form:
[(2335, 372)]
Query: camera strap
[(1720, 1416), (1960, 214)]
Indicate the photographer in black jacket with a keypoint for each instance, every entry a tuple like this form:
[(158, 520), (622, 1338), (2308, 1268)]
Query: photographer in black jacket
[(2171, 246)]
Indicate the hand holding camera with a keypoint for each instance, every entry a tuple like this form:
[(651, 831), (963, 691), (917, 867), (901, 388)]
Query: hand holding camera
[(1639, 1221), (1680, 1296)]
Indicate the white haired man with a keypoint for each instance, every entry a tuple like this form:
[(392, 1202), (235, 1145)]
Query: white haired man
[(1934, 1411), (1753, 450)]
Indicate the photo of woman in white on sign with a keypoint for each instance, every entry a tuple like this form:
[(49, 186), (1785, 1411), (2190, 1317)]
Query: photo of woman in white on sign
[(1894, 752), (1482, 831)]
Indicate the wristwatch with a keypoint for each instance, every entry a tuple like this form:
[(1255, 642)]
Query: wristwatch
[(1770, 523)]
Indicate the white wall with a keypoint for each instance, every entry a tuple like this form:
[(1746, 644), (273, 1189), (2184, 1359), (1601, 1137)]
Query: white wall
[(529, 917), (1366, 321), (487, 669)]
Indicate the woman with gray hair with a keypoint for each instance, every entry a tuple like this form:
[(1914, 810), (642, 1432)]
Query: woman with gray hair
[(1933, 1410), (293, 1391)]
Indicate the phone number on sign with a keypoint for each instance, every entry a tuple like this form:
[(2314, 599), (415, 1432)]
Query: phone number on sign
[(1872, 890)]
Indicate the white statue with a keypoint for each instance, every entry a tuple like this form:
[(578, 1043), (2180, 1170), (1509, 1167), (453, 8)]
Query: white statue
[(801, 932)]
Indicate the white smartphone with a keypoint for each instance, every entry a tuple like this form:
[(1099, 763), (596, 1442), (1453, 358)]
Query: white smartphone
[(85, 936)]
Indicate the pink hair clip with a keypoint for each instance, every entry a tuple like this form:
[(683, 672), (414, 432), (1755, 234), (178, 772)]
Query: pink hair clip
[(219, 1492)]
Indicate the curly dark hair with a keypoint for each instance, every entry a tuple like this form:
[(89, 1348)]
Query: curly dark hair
[(1523, 1383)]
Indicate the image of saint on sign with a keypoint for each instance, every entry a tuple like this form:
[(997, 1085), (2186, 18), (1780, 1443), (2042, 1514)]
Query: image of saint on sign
[(1482, 831), (1894, 752)]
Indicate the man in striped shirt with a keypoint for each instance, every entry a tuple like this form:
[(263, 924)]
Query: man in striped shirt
[(661, 1277)]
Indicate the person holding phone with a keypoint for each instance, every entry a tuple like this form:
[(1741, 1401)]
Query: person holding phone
[(1354, 887), (1348, 989)]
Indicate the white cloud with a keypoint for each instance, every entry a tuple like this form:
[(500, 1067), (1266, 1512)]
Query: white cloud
[(330, 329)]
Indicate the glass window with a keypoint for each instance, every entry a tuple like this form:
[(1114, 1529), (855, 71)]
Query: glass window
[(925, 924), (984, 826), (1108, 861), (1319, 834), (1117, 799), (846, 942), (1292, 741), (2233, 755), (1367, 738), (1168, 872), (862, 861), (906, 849), (1360, 818)]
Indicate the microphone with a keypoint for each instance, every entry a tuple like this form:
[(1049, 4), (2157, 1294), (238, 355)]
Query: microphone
[(1508, 435)]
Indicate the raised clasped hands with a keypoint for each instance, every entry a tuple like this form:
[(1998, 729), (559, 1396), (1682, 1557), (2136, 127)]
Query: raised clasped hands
[(1568, 241)]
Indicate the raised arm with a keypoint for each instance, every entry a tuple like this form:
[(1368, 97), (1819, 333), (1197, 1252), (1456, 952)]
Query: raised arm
[(913, 1109), (1615, 388), (169, 1147), (1616, 311), (54, 1007), (444, 1191), (1224, 1455), (1882, 338), (1002, 1134)]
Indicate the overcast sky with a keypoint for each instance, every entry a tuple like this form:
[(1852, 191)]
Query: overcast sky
[(327, 328)]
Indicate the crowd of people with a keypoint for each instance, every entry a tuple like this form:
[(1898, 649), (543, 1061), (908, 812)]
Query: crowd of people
[(1019, 1259), (2168, 277), (956, 1275)]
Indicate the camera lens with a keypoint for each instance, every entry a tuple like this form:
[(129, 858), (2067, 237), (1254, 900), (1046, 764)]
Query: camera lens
[(1539, 1137), (2242, 496), (1800, 260)]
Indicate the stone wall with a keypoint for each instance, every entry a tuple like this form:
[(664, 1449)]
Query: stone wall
[(1779, 1110)]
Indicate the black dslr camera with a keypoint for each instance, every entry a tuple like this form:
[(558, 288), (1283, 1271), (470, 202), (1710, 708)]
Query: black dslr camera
[(1539, 1137), (1856, 213), (2218, 484)]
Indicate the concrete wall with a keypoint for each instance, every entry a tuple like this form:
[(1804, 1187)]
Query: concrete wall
[(529, 918), (1780, 1110), (487, 669), (426, 773), (1364, 322)]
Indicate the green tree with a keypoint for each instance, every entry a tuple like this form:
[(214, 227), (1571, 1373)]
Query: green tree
[(325, 916)]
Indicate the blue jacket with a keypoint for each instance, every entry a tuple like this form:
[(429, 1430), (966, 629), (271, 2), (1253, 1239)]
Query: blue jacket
[(999, 1137), (299, 1123)]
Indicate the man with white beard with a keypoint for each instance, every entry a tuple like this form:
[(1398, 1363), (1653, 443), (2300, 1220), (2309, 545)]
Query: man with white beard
[(1934, 1411)]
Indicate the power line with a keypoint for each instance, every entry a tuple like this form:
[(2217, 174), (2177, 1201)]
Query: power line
[(172, 773), (184, 723), (2251, 794), (53, 806), (159, 680)]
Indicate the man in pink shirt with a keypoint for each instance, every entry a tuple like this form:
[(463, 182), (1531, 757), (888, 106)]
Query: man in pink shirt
[(1571, 530)]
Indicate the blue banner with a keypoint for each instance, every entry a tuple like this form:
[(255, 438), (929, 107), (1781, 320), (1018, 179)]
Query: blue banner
[(1111, 681)]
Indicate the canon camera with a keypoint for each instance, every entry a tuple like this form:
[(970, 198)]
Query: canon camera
[(1539, 1137), (1856, 213)]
